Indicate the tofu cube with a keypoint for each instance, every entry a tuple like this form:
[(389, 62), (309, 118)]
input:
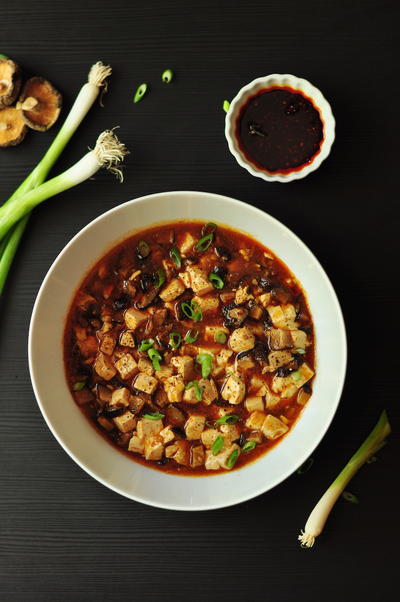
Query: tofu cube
[(280, 338), (146, 427), (127, 339), (210, 392), (224, 455), (146, 383), (197, 456), (255, 420), (234, 389), (136, 444), (282, 316), (126, 366), (174, 388), (189, 395), (211, 331), (153, 448), (276, 359), (164, 372), (178, 451), (104, 367), (230, 432), (299, 339), (208, 437), (273, 428), (208, 303), (120, 397), (256, 312), (167, 434), (211, 462), (284, 385), (241, 339), (254, 403), (223, 356), (271, 401), (145, 366), (126, 422), (185, 243), (194, 426), (265, 299), (172, 290), (183, 365), (242, 295), (184, 276), (107, 344), (305, 373), (199, 282), (133, 317)]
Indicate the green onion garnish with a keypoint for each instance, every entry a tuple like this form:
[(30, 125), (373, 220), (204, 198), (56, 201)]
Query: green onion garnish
[(217, 445), (197, 389), (154, 416), (191, 335), (228, 419), (78, 386), (204, 243), (208, 228), (160, 277), (350, 497), (231, 461), (175, 340), (167, 76), (143, 249), (306, 466), (296, 375), (205, 360), (220, 337), (301, 351), (216, 281), (140, 92), (248, 446), (226, 105), (146, 344), (155, 357), (176, 257), (192, 310)]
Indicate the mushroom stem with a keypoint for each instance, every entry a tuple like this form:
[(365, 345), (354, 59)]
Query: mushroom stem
[(28, 104)]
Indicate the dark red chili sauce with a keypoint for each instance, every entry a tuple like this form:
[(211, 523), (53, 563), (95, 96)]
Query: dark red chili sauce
[(280, 130)]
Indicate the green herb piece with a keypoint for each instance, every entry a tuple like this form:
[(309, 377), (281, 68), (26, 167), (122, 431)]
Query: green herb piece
[(78, 386), (231, 461), (192, 335), (143, 249), (228, 419), (350, 497), (197, 389), (208, 228), (220, 337), (167, 76), (154, 416), (175, 340), (248, 446), (226, 105), (204, 243), (306, 466), (301, 351), (3, 56), (205, 361), (192, 310), (140, 92), (176, 256), (217, 445), (160, 277), (296, 375), (155, 357), (216, 281), (146, 344)]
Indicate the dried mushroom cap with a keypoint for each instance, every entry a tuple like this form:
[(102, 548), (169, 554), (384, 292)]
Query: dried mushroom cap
[(10, 82), (12, 127), (40, 104)]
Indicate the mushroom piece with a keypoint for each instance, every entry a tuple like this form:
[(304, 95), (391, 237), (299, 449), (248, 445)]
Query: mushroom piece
[(40, 104), (12, 127), (10, 82)]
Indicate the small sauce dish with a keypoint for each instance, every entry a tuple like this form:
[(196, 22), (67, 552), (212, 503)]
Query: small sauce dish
[(280, 128)]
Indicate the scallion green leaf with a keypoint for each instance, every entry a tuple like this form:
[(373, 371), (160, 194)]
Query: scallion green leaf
[(3, 56), (140, 92), (78, 386), (176, 256), (154, 416), (296, 375), (204, 243), (197, 389), (248, 446), (231, 461), (217, 445), (155, 357), (205, 361), (227, 419), (220, 337), (350, 497), (143, 249), (167, 76), (301, 351), (216, 281), (146, 344), (192, 335), (175, 340), (208, 228), (160, 277), (226, 105), (192, 310)]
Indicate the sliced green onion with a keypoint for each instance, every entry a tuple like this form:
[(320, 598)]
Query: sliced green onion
[(204, 243), (228, 419), (248, 446), (296, 375), (301, 351), (192, 335), (154, 416), (231, 461), (350, 497), (192, 310), (176, 256), (146, 344), (208, 228), (216, 281), (305, 467), (3, 56), (140, 92), (197, 389), (226, 105), (155, 357), (205, 361), (143, 249), (217, 445), (175, 340), (167, 76), (220, 337), (78, 386), (318, 517), (160, 277)]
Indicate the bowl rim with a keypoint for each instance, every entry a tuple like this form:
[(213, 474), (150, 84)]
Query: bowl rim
[(309, 448), (310, 91)]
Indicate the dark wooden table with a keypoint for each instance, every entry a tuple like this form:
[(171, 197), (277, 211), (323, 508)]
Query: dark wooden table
[(65, 537)]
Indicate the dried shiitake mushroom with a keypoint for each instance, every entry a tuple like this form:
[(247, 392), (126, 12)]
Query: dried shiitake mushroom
[(10, 82), (12, 127), (40, 104)]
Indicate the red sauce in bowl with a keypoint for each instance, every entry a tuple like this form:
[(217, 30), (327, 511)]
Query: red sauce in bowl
[(280, 130)]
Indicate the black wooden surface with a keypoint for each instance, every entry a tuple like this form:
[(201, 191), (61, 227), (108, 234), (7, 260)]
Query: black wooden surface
[(64, 537)]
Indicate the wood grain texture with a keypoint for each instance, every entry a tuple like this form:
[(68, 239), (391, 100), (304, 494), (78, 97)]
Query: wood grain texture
[(63, 536)]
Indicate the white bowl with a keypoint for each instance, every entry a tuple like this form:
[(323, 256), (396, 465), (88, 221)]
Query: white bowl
[(95, 455), (297, 83)]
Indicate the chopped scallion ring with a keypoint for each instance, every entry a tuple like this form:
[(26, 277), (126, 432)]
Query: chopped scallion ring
[(155, 357), (226, 105), (143, 249), (306, 466), (160, 277), (208, 228), (192, 310), (175, 340), (205, 361), (301, 351), (140, 92), (78, 386), (167, 76), (231, 461), (248, 446), (204, 243), (217, 445), (146, 344), (228, 419), (220, 337), (191, 335), (176, 257), (350, 497), (296, 375), (197, 389), (154, 416), (216, 281)]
